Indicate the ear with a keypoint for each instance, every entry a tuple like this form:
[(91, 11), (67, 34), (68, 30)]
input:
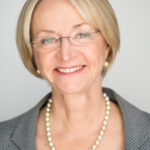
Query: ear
[(107, 51)]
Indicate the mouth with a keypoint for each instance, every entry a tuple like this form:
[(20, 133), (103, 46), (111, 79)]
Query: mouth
[(69, 69)]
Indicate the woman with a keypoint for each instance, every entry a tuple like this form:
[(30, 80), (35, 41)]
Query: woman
[(72, 44)]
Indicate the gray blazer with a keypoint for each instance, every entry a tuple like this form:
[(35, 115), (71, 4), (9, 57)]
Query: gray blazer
[(19, 133)]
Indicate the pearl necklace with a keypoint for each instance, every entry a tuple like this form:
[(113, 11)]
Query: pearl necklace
[(101, 133)]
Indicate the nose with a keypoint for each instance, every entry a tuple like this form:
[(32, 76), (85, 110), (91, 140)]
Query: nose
[(65, 51)]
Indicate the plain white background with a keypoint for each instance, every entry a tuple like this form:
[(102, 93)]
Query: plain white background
[(129, 76)]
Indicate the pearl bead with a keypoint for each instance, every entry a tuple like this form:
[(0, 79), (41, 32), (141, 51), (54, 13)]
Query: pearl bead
[(104, 94), (51, 143), (108, 102), (53, 148), (48, 129), (94, 147), (48, 133), (99, 137), (107, 117), (48, 110), (108, 107), (103, 128), (106, 64), (107, 98), (47, 124), (47, 114), (47, 119), (107, 112), (48, 105), (49, 138), (102, 132), (50, 100), (97, 142), (105, 122)]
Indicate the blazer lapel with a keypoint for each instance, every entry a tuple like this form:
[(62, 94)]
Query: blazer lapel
[(24, 133), (136, 124)]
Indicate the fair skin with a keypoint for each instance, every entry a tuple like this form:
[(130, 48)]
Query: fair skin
[(78, 104)]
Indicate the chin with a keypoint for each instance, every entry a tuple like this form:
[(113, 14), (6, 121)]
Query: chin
[(71, 90)]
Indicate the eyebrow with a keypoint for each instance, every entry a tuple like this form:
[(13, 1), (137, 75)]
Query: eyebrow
[(51, 31), (78, 25)]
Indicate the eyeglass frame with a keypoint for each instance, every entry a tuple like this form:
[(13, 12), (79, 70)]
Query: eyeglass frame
[(59, 38)]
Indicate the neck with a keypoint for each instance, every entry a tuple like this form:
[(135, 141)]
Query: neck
[(79, 111)]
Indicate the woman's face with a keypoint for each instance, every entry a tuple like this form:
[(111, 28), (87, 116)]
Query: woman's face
[(59, 17)]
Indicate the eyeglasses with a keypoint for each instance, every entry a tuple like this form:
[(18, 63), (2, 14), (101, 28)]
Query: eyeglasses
[(53, 41)]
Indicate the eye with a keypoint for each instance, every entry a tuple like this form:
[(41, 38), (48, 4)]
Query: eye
[(83, 35), (48, 40)]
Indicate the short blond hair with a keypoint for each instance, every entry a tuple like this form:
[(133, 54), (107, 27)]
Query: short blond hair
[(98, 13)]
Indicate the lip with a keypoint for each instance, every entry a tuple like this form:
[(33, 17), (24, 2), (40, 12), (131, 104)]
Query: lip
[(69, 73), (69, 67)]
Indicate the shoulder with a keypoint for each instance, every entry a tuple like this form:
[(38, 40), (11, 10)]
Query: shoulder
[(128, 110), (136, 122), (7, 126), (124, 105), (20, 128), (6, 130)]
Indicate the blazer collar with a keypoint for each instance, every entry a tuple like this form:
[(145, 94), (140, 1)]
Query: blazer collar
[(136, 133), (25, 131), (136, 125)]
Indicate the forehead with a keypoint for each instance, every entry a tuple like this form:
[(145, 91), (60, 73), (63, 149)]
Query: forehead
[(56, 15)]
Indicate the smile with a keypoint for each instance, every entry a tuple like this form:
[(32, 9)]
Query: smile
[(69, 70)]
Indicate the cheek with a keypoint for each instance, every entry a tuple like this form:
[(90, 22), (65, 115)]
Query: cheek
[(95, 54), (45, 63), (38, 60), (43, 60)]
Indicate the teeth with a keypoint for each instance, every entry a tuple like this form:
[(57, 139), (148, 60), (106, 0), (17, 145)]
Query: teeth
[(70, 70)]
